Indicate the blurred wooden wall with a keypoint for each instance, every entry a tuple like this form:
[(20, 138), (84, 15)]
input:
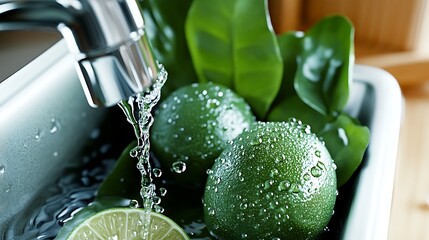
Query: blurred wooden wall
[(390, 34)]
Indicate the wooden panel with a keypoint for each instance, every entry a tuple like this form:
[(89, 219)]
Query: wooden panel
[(383, 22), (410, 209), (286, 14)]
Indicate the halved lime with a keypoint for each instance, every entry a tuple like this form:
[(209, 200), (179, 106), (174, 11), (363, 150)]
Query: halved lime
[(128, 223)]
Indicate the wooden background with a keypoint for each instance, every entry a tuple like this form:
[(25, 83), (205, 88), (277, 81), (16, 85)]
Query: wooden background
[(392, 35)]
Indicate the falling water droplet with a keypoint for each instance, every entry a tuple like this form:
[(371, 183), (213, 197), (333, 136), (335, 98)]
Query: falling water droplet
[(2, 169), (157, 172), (134, 204), (179, 167)]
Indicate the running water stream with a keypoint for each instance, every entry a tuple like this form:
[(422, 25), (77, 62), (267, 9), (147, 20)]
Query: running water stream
[(141, 119)]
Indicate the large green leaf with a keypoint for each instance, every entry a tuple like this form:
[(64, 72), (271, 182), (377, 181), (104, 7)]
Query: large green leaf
[(347, 141), (290, 47), (325, 65), (232, 43), (165, 27)]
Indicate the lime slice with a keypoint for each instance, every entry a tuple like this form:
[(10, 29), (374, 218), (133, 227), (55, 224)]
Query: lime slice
[(128, 223)]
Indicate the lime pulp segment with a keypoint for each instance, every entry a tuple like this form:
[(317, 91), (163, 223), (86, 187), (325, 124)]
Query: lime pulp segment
[(128, 223)]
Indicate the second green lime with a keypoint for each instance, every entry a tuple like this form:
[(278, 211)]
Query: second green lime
[(192, 127), (274, 181)]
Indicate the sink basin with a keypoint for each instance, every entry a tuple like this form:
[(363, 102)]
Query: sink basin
[(46, 121), (376, 100)]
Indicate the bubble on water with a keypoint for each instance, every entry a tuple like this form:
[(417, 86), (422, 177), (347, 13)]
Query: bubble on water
[(244, 235), (2, 169), (179, 167), (209, 171)]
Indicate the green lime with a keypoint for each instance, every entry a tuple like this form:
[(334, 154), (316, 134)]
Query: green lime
[(128, 223), (192, 127), (274, 181)]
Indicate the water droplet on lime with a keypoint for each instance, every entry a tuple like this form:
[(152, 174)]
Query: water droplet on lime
[(284, 185), (317, 153), (211, 211)]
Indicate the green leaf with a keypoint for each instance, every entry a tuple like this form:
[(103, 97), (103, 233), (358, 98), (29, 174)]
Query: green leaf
[(290, 47), (325, 65), (293, 107), (232, 43), (165, 27), (347, 141), (124, 180)]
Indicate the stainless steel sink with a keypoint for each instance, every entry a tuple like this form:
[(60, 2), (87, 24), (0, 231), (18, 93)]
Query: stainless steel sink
[(44, 116)]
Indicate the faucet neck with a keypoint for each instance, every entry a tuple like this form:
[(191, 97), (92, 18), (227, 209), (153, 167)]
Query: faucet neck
[(114, 58)]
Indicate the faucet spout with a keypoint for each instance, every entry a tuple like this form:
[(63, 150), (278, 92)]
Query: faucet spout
[(114, 59)]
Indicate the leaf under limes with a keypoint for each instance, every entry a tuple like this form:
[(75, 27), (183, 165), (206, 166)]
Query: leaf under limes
[(347, 141), (124, 180)]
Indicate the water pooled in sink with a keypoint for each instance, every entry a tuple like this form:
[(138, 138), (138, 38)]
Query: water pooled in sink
[(141, 119)]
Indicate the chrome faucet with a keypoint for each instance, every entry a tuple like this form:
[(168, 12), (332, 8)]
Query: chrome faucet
[(113, 57)]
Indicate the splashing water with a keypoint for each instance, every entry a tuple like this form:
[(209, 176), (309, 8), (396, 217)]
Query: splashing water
[(141, 119)]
